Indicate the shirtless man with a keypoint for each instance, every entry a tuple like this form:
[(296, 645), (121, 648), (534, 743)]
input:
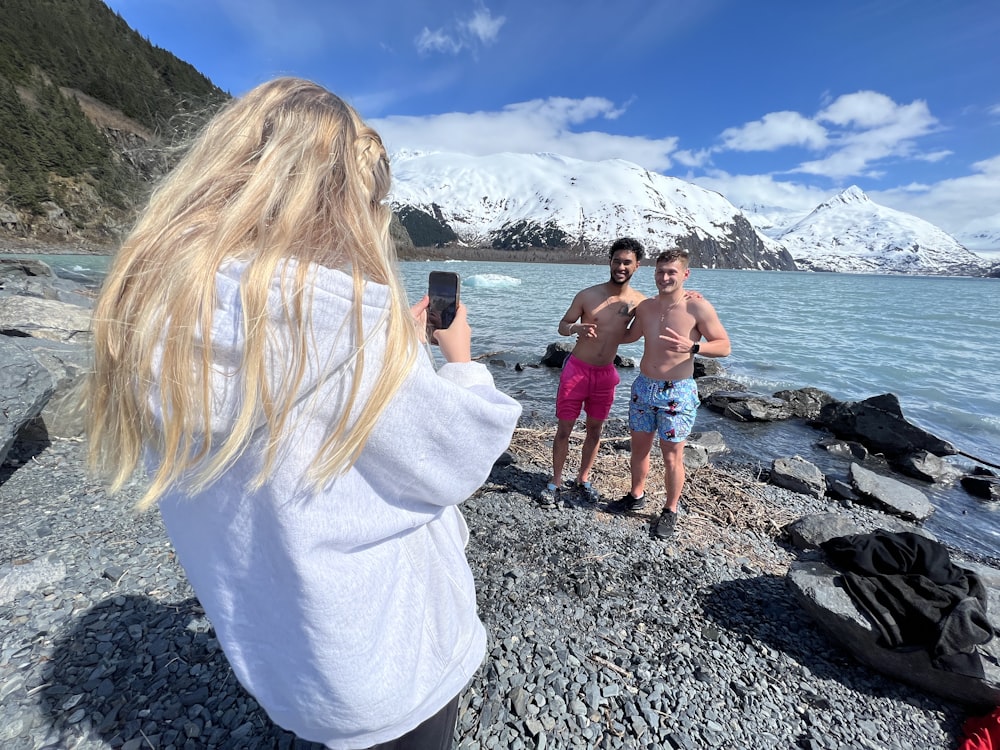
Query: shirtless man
[(664, 394), (599, 317)]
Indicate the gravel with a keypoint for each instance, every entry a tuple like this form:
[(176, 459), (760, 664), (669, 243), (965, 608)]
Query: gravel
[(600, 636)]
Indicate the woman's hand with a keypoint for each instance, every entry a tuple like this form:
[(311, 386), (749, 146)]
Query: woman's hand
[(419, 313), (455, 341)]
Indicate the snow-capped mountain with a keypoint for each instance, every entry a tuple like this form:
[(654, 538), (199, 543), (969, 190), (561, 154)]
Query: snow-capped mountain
[(522, 200), (851, 233)]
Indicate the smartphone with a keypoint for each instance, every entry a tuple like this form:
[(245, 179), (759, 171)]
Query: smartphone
[(443, 291)]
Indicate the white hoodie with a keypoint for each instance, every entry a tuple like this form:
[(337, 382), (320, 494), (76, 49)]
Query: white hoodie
[(349, 614)]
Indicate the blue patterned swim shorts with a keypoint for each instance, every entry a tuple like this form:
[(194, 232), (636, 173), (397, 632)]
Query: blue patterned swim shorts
[(667, 407)]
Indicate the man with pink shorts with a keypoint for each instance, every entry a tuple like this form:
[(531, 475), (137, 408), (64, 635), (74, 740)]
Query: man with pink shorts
[(599, 317)]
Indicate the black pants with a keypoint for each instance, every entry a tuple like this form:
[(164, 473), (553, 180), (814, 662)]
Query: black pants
[(437, 733)]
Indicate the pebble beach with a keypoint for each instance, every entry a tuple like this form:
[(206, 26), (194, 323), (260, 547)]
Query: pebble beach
[(599, 635)]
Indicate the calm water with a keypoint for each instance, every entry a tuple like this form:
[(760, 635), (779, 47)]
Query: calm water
[(934, 342)]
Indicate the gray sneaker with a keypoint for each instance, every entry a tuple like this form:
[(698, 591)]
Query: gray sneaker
[(586, 492), (664, 526), (627, 504), (549, 497)]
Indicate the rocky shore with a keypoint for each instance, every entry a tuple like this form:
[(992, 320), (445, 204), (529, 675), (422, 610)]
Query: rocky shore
[(599, 635)]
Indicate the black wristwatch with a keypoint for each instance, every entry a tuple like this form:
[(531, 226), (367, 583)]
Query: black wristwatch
[(695, 349)]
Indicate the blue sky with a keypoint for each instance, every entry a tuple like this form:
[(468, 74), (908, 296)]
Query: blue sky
[(779, 103)]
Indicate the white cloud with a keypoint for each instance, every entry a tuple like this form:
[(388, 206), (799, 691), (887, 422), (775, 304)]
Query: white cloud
[(528, 127), (864, 109), (775, 130), (484, 26), (853, 133), (966, 204), (763, 191), (481, 29), (874, 128), (437, 41)]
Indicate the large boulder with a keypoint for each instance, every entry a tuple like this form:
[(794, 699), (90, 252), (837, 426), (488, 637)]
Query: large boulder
[(798, 475), (45, 319), (748, 407), (890, 495), (815, 587), (25, 389), (809, 532), (879, 424), (712, 441), (707, 367), (805, 402), (13, 270), (67, 364), (709, 384), (926, 466), (982, 483)]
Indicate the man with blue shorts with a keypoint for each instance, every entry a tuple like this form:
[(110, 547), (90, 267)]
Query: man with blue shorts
[(599, 317), (664, 395)]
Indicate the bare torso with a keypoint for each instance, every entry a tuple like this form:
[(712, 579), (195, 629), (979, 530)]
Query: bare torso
[(654, 316), (610, 309)]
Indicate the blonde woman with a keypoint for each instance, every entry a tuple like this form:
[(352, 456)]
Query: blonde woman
[(253, 347)]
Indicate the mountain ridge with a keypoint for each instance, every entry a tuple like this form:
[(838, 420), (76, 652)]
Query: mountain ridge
[(514, 201), (851, 233)]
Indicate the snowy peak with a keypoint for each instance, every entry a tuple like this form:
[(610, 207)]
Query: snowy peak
[(852, 233), (850, 197), (516, 201)]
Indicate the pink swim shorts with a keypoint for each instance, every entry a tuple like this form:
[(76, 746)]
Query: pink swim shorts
[(587, 387)]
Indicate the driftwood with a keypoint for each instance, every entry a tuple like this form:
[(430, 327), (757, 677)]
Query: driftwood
[(718, 505)]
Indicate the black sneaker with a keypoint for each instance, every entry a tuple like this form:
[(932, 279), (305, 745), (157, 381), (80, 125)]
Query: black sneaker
[(664, 526), (627, 504)]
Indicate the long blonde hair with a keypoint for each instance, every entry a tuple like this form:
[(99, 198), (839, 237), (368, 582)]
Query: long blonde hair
[(287, 172)]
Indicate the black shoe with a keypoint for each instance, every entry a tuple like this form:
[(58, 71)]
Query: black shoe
[(664, 526), (627, 504)]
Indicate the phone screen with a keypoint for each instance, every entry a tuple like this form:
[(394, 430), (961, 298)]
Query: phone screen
[(442, 289)]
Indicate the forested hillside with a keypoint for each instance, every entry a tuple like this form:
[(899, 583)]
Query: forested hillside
[(85, 105)]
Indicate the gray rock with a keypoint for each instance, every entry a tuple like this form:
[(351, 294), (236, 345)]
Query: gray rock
[(712, 441), (25, 389), (809, 532), (707, 366), (814, 585), (755, 408), (45, 319), (879, 424), (710, 384), (925, 465), (805, 402), (748, 407), (846, 448), (695, 456), (890, 495), (840, 489), (984, 485), (798, 475), (15, 579)]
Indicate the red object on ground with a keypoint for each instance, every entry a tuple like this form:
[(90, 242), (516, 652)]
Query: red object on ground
[(982, 732)]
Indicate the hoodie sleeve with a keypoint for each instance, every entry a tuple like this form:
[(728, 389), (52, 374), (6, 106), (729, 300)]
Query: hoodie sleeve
[(437, 441)]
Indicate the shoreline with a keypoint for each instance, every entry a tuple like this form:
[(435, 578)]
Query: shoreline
[(599, 636)]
